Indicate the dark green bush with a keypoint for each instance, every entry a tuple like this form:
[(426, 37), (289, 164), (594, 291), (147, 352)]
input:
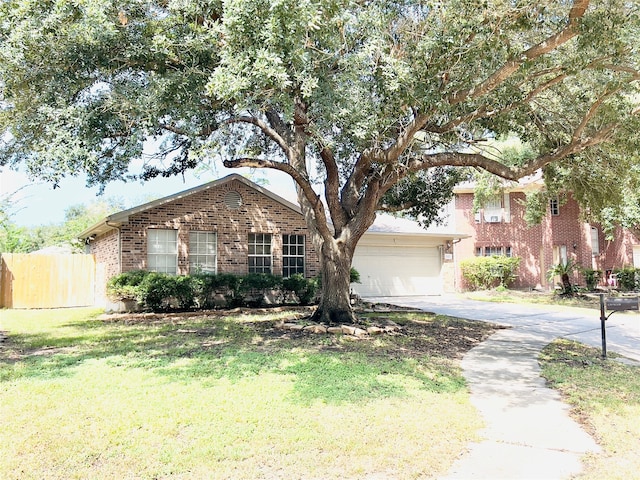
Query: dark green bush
[(488, 272), (125, 286), (354, 276), (156, 290), (255, 287), (159, 291), (231, 284), (591, 277), (305, 289), (205, 286), (184, 291), (628, 278)]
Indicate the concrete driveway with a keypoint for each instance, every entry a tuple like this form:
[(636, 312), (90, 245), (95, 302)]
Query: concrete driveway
[(528, 432), (546, 321)]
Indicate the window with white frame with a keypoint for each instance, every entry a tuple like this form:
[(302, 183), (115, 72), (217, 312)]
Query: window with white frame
[(203, 247), (162, 251), (259, 253), (493, 210), (490, 251), (595, 241), (292, 255), (554, 206)]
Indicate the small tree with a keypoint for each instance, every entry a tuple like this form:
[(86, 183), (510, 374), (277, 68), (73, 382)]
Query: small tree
[(564, 271)]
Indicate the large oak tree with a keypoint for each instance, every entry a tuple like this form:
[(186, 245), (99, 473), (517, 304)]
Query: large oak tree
[(381, 102)]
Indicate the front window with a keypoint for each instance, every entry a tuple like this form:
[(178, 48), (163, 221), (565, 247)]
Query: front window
[(490, 251), (203, 248), (259, 253), (554, 207), (162, 251), (292, 255)]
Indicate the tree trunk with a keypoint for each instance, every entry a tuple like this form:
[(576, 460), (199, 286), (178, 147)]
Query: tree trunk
[(335, 301), (566, 284)]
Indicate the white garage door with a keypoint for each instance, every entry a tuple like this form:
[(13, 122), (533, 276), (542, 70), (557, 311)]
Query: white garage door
[(393, 271)]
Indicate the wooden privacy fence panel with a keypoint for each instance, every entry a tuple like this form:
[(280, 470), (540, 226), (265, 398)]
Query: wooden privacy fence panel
[(46, 281)]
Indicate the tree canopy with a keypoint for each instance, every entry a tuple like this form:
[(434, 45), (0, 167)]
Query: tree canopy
[(380, 101)]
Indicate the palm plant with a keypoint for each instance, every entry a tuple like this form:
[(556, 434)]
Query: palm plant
[(564, 271)]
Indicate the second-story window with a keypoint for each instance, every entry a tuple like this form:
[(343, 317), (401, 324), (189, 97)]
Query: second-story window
[(554, 206)]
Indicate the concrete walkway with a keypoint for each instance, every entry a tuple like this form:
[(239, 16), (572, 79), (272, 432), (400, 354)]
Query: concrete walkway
[(529, 433)]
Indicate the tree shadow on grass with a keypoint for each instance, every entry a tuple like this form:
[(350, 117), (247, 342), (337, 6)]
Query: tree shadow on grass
[(207, 349)]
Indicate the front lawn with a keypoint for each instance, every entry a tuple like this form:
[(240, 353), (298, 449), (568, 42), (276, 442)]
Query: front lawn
[(226, 395), (605, 397)]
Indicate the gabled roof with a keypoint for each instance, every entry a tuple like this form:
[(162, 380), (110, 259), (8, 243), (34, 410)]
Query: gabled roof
[(384, 224), (116, 220)]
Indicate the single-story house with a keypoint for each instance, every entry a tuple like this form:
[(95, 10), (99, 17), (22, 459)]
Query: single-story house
[(499, 228), (233, 225)]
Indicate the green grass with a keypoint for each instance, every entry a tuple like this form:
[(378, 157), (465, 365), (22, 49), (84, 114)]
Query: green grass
[(225, 396), (605, 397), (541, 298)]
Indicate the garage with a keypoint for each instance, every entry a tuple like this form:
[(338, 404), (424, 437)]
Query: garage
[(394, 266)]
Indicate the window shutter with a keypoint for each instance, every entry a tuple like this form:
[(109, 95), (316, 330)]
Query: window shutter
[(507, 208)]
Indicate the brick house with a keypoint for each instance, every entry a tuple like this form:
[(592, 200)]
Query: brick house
[(500, 228), (233, 225)]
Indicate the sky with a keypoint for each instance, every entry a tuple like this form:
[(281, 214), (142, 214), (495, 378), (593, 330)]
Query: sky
[(38, 203)]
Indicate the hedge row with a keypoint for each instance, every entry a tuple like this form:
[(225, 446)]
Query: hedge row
[(161, 292), (628, 278)]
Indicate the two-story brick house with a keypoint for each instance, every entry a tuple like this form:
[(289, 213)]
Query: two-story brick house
[(500, 228)]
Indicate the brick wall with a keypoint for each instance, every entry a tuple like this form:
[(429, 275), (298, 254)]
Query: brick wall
[(538, 246), (106, 252), (205, 210)]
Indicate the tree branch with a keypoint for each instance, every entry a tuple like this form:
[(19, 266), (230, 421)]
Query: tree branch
[(309, 194), (404, 139), (551, 43), (457, 159), (351, 189), (266, 129), (331, 188)]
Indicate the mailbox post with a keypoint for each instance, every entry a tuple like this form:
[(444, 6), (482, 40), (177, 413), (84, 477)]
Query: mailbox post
[(614, 304)]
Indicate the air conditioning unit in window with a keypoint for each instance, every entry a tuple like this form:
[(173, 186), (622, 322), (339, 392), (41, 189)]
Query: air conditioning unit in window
[(494, 219)]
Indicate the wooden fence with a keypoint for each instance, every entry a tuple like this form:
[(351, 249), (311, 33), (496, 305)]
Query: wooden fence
[(47, 281)]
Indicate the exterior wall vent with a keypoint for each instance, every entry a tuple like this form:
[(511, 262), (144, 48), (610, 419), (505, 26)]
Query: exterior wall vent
[(233, 200)]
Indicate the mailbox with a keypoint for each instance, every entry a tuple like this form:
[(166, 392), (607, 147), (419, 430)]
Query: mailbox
[(617, 304)]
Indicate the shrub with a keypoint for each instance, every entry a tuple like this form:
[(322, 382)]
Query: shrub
[(591, 277), (184, 291), (628, 278), (255, 286), (487, 272), (125, 286), (156, 291), (230, 283), (354, 276), (305, 289)]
